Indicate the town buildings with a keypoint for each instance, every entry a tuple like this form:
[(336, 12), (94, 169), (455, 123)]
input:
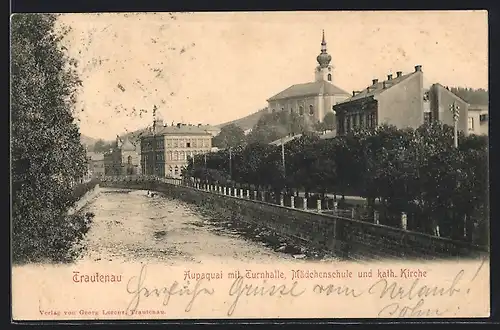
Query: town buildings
[(122, 159), (477, 122), (95, 163), (312, 100), (401, 101), (165, 150)]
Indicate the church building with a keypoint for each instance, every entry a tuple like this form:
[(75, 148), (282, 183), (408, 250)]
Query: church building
[(313, 100)]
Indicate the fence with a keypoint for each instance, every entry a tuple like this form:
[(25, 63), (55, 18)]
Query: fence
[(323, 206)]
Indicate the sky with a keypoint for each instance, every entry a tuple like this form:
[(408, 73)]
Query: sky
[(211, 68)]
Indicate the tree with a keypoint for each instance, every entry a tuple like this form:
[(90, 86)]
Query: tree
[(329, 121), (47, 156), (101, 146), (230, 136)]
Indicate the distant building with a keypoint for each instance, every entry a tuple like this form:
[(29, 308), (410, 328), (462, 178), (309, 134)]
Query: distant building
[(95, 161), (172, 145), (122, 159), (311, 100), (477, 123), (401, 101)]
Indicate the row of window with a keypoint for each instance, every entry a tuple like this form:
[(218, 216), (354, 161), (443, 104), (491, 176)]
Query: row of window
[(351, 121), (301, 110), (173, 155), (180, 143)]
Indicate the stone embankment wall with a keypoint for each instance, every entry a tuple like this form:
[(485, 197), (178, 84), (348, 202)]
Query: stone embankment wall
[(346, 238), (84, 200)]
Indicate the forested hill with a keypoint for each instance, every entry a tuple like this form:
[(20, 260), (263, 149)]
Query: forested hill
[(471, 96)]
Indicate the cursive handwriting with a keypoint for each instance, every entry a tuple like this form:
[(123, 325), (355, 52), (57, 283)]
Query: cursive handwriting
[(395, 290), (238, 288), (135, 287), (399, 310)]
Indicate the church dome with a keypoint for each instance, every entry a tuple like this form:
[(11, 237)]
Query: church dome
[(324, 58)]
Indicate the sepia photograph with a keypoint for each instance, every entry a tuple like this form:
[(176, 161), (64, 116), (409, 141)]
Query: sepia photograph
[(249, 165)]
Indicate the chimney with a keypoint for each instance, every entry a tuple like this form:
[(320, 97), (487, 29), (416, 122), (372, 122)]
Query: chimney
[(353, 93), (368, 89), (375, 81), (399, 74), (418, 68), (199, 125), (389, 77), (178, 125), (385, 84)]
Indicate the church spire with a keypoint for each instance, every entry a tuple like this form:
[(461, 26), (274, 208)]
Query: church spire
[(324, 58)]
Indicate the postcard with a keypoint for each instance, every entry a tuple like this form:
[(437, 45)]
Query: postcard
[(250, 165)]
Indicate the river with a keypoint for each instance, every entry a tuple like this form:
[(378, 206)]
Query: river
[(129, 226)]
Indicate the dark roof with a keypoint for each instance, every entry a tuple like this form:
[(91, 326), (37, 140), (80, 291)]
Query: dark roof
[(379, 87), (309, 89), (95, 155), (183, 129)]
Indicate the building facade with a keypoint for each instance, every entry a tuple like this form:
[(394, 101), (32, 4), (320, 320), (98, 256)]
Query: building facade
[(123, 159), (311, 100), (95, 161), (166, 152), (477, 122), (401, 101)]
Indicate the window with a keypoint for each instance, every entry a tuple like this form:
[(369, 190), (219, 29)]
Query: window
[(348, 125), (176, 170), (175, 143), (329, 77), (361, 120), (169, 143), (471, 123), (311, 110), (188, 145), (169, 155), (176, 155), (182, 155), (483, 117), (301, 110), (129, 160)]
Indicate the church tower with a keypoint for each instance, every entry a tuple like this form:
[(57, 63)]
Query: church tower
[(324, 71)]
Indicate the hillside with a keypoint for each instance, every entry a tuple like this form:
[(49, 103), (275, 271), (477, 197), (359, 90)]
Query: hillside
[(87, 140), (247, 122)]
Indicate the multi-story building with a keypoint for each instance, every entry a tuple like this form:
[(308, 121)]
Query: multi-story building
[(122, 159), (95, 161), (165, 152), (401, 101), (477, 123), (312, 100)]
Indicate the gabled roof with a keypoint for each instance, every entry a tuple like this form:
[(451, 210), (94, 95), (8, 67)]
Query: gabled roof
[(378, 88), (309, 89), (450, 93)]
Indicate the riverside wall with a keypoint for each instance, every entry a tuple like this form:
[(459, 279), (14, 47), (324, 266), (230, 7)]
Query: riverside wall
[(85, 199), (344, 237)]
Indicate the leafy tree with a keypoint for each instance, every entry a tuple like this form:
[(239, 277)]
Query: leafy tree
[(47, 156), (230, 136), (472, 96), (329, 121), (101, 146)]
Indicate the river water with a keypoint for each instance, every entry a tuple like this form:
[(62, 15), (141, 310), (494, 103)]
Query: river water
[(130, 226)]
